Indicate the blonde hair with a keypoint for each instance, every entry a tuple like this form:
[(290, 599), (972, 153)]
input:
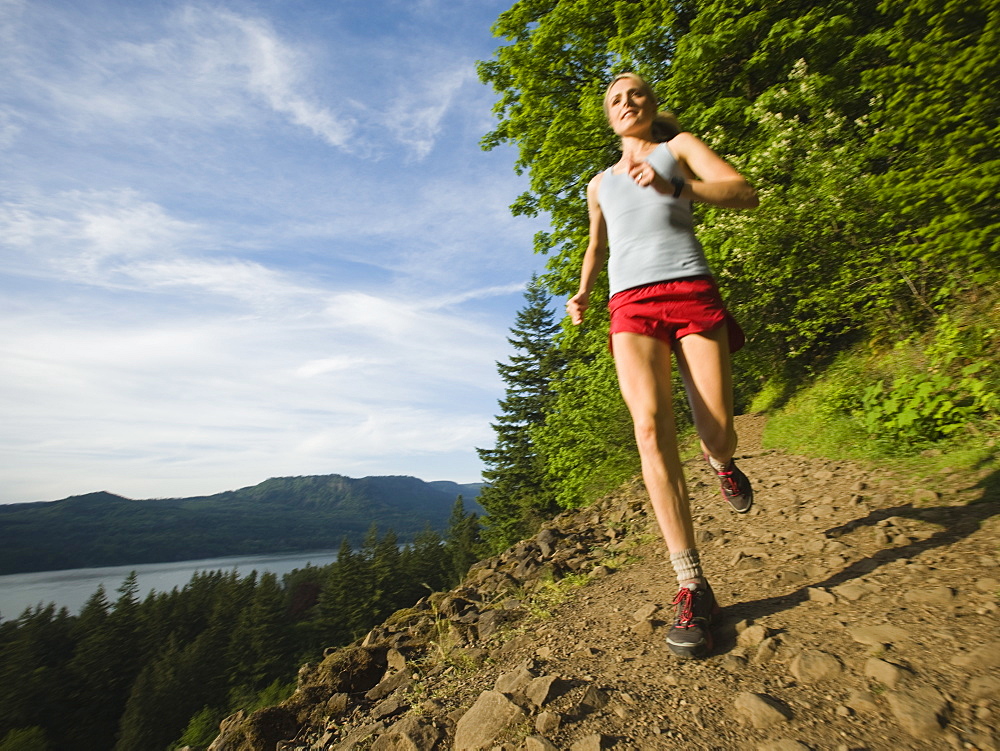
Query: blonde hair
[(665, 124)]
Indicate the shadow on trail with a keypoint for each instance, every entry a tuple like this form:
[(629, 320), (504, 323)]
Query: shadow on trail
[(957, 523)]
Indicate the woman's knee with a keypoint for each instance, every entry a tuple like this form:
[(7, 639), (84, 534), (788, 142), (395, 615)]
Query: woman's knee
[(652, 434), (720, 443)]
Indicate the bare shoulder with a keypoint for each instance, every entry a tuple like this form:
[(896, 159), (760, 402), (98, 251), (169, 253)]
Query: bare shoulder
[(595, 181), (685, 142)]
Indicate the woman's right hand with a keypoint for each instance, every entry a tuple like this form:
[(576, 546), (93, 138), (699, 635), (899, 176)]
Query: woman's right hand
[(577, 306)]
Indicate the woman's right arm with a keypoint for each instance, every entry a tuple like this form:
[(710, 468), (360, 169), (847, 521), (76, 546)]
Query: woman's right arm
[(593, 258)]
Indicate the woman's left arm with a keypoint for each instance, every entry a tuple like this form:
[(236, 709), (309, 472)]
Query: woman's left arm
[(714, 179)]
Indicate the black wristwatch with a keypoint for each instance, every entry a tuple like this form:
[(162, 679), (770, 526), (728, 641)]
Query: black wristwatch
[(678, 183)]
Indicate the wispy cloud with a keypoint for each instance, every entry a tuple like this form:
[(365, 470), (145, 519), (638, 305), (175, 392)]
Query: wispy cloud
[(240, 244)]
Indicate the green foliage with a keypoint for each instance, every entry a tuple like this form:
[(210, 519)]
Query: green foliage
[(461, 543), (141, 675), (519, 495), (25, 739), (871, 134)]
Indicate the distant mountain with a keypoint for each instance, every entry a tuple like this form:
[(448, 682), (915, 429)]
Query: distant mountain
[(283, 514)]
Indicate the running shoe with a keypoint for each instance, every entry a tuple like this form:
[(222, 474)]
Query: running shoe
[(691, 635), (736, 487)]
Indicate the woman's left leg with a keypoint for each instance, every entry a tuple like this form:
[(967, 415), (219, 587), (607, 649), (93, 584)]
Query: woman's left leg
[(703, 361), (704, 364)]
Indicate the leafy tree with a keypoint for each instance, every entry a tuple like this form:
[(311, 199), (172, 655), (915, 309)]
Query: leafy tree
[(25, 739), (519, 494)]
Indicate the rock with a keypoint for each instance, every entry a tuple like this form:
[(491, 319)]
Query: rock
[(817, 594), (752, 636), (542, 690), (644, 629), (486, 719), (593, 742), (878, 636), (984, 687), (389, 684), (862, 701), (923, 495), (409, 734), (782, 744), (884, 672), (919, 712), (538, 743), (593, 700), (766, 650), (337, 704), (515, 681), (850, 592), (547, 722), (389, 707), (646, 612), (811, 666), (930, 596), (988, 584), (986, 657), (761, 711)]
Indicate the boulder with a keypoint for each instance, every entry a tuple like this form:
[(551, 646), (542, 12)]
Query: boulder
[(491, 714)]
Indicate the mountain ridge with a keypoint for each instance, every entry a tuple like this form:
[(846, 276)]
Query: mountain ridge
[(280, 514)]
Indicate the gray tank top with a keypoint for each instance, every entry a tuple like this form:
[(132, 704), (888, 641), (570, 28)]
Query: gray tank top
[(650, 235)]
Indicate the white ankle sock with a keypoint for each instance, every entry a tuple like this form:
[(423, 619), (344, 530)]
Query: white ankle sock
[(717, 465), (687, 566)]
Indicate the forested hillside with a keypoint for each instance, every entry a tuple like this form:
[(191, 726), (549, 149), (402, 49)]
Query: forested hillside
[(135, 675), (869, 274), (278, 515)]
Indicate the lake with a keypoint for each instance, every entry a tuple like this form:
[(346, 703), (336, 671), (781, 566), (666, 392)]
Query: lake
[(72, 588)]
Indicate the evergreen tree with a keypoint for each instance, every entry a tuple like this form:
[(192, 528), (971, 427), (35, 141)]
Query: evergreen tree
[(461, 542), (519, 496)]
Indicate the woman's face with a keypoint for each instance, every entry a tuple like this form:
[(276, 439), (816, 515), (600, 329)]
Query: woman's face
[(629, 106)]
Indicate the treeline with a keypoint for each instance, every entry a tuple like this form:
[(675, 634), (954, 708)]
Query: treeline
[(872, 137), (162, 672)]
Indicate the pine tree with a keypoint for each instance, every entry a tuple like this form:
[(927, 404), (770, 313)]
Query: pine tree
[(519, 497), (461, 542)]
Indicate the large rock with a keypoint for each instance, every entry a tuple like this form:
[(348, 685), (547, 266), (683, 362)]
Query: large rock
[(486, 719)]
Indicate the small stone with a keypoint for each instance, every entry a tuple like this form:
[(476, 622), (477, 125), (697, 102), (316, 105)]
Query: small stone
[(850, 592), (646, 612), (811, 666), (984, 687), (515, 681), (542, 690), (884, 672), (820, 595), (644, 629), (878, 636), (486, 719), (782, 744), (930, 596), (923, 495), (843, 711), (538, 743), (752, 636), (986, 657), (766, 650), (599, 571), (988, 584), (862, 701), (593, 700), (547, 722), (919, 712), (593, 742), (761, 711)]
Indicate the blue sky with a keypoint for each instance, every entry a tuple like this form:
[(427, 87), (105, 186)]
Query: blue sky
[(244, 240)]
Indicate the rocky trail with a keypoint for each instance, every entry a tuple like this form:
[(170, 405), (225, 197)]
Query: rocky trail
[(860, 612)]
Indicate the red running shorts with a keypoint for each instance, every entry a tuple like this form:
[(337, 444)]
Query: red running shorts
[(673, 309)]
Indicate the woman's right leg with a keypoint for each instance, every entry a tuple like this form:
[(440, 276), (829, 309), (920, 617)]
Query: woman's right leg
[(643, 365)]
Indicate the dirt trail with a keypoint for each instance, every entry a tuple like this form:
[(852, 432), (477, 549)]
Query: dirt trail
[(860, 612), (836, 564)]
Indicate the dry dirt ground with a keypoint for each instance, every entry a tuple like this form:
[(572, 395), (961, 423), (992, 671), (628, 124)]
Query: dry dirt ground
[(860, 612)]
